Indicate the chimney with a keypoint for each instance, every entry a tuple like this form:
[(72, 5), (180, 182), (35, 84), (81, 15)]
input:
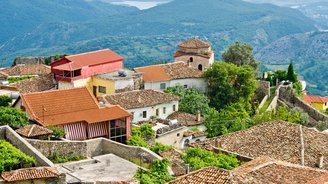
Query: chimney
[(320, 162), (198, 116)]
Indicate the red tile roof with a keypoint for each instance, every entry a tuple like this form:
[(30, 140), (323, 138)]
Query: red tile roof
[(170, 71), (68, 106), (88, 59), (186, 119), (33, 131), (315, 99), (30, 174), (194, 43)]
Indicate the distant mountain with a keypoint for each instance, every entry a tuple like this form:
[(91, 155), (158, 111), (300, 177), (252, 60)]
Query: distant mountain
[(308, 52), (20, 17)]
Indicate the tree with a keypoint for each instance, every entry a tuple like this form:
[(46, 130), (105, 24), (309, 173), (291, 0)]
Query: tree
[(5, 100), (57, 132), (140, 135), (291, 75), (229, 84), (198, 158), (192, 100), (157, 173), (240, 54), (13, 117)]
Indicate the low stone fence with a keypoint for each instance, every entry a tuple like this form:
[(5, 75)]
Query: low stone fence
[(263, 101), (265, 87), (94, 147), (11, 136), (286, 94)]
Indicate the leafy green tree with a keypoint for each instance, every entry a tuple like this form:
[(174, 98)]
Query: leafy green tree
[(136, 140), (229, 84), (159, 147), (5, 101), (140, 135), (198, 158), (240, 54), (157, 173), (291, 75), (57, 132), (13, 117), (146, 131), (192, 100)]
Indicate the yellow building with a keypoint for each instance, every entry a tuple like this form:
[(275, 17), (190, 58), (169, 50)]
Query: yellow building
[(318, 102)]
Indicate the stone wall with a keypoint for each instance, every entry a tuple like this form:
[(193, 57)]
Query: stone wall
[(265, 87), (11, 136), (287, 95), (91, 148)]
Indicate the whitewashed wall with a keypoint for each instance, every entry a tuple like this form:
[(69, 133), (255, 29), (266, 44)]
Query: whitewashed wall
[(197, 83), (151, 111)]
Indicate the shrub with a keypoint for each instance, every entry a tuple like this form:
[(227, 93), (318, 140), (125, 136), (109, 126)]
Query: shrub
[(156, 174), (12, 158), (322, 125), (5, 100), (13, 117), (159, 147), (17, 79), (57, 158), (57, 132)]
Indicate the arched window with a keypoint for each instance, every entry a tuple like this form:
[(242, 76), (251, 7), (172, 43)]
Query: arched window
[(186, 143), (191, 59), (200, 67)]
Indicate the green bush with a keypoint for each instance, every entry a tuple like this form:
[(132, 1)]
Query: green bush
[(156, 174), (57, 132), (159, 147), (322, 125), (17, 79), (58, 158), (5, 101), (13, 117), (12, 158), (198, 158)]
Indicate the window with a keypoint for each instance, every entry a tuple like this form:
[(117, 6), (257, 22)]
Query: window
[(162, 85), (157, 112), (191, 59), (102, 89), (200, 67), (164, 110), (174, 108), (178, 134), (185, 86), (144, 114), (118, 130)]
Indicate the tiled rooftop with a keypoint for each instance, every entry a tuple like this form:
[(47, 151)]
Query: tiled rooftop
[(30, 174), (194, 43), (314, 99), (33, 131), (139, 98), (278, 139), (171, 71), (21, 70), (66, 106), (186, 119), (36, 84)]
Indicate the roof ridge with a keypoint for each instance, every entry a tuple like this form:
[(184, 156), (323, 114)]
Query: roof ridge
[(31, 130), (86, 53), (52, 91)]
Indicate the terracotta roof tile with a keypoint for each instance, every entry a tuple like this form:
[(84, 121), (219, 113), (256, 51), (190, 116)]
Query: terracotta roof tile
[(30, 174), (36, 84), (209, 175), (194, 43), (278, 139), (139, 98), (67, 106), (33, 131), (20, 70), (170, 71), (90, 58), (267, 170), (311, 99), (186, 119)]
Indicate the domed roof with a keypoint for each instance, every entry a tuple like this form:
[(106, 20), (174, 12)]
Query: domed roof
[(194, 43)]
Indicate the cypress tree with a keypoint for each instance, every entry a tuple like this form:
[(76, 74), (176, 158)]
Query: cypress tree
[(291, 75)]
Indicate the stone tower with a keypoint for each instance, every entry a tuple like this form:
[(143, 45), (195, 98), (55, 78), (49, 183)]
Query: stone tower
[(195, 53)]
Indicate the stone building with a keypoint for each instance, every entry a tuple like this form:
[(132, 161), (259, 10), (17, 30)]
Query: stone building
[(195, 53)]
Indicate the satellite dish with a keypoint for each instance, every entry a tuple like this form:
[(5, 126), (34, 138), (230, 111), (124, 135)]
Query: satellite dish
[(122, 73)]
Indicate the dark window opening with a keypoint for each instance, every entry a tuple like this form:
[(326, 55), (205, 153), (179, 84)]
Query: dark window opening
[(164, 110), (118, 130), (174, 108), (144, 114), (162, 85), (157, 112), (102, 89), (200, 67), (191, 59)]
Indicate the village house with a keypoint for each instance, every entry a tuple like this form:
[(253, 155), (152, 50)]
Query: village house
[(279, 140), (78, 112), (24, 70), (77, 70), (145, 104), (115, 82), (196, 53), (160, 77), (318, 102), (258, 171), (189, 120)]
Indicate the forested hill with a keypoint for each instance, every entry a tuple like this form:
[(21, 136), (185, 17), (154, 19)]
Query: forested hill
[(223, 20)]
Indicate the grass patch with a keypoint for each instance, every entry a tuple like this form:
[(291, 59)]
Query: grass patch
[(57, 158), (17, 79), (140, 163)]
